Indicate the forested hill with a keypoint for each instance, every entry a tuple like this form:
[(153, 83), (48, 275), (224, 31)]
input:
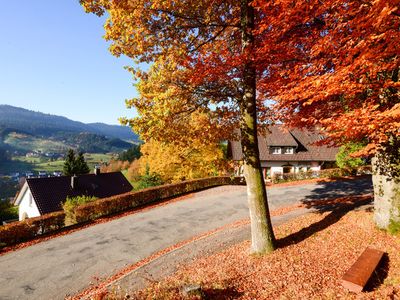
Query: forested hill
[(37, 123)]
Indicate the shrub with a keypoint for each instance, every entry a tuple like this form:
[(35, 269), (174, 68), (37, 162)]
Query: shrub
[(71, 203), (119, 203), (147, 181), (327, 173), (7, 211), (18, 232), (344, 158)]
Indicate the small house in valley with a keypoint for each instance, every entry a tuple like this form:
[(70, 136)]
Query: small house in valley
[(284, 151), (40, 196)]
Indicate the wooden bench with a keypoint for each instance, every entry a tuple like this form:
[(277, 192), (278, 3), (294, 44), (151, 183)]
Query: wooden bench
[(360, 272)]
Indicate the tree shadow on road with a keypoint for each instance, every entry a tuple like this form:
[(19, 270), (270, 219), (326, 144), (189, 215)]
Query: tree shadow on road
[(340, 188)]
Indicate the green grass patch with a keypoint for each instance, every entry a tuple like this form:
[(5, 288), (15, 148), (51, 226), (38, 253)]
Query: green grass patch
[(28, 142), (24, 164), (394, 227)]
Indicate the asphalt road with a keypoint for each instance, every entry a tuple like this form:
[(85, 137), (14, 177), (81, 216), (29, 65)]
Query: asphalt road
[(65, 265)]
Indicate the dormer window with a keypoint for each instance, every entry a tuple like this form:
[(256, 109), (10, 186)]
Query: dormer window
[(289, 150), (276, 150)]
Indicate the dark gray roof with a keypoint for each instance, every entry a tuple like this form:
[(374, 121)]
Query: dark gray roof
[(278, 136), (49, 193)]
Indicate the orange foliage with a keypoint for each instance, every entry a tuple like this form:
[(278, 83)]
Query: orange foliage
[(341, 70), (115, 166)]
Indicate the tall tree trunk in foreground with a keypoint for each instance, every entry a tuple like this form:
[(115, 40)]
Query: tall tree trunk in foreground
[(262, 236), (386, 180)]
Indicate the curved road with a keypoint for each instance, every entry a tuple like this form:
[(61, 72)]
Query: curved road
[(65, 265)]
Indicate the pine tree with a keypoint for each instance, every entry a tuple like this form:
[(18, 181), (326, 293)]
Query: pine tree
[(81, 165), (69, 164), (75, 165)]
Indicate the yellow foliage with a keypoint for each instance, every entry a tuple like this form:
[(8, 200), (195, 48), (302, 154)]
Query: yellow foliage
[(174, 163), (133, 170)]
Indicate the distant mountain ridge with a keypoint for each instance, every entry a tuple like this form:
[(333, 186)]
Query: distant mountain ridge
[(25, 130), (38, 123)]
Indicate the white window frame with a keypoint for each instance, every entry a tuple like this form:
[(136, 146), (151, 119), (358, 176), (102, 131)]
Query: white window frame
[(289, 150), (276, 150)]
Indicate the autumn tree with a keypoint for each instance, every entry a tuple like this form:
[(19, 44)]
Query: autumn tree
[(174, 163), (211, 45), (343, 77)]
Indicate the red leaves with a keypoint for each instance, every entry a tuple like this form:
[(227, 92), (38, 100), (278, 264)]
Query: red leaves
[(347, 79)]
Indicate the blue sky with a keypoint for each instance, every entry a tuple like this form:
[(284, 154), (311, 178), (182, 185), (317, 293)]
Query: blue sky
[(53, 59)]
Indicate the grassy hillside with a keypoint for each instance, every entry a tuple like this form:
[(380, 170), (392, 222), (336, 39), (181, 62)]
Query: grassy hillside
[(24, 164), (61, 142), (27, 143)]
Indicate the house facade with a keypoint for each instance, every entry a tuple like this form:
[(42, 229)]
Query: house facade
[(27, 205), (284, 151), (40, 196)]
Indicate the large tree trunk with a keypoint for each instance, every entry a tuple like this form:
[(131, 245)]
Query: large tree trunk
[(262, 236), (386, 180)]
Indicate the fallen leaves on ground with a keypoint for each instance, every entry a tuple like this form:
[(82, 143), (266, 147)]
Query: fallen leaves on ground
[(314, 252)]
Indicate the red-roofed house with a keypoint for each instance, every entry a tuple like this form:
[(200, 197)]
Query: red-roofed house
[(288, 151)]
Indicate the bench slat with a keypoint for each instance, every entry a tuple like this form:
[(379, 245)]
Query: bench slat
[(359, 273)]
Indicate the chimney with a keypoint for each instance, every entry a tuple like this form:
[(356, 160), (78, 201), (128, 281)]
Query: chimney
[(74, 182), (96, 170)]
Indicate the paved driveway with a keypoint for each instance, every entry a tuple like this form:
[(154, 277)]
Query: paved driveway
[(67, 264)]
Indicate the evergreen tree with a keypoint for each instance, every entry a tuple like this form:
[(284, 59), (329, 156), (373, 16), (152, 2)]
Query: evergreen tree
[(130, 154), (69, 164), (75, 165), (81, 165)]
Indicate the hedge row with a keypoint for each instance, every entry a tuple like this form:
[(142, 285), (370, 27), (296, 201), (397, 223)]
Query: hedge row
[(327, 173), (22, 231), (106, 206), (18, 232)]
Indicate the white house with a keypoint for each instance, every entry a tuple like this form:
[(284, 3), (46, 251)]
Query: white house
[(27, 205), (285, 151), (40, 196)]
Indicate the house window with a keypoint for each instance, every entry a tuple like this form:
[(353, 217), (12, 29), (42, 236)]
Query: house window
[(30, 199), (287, 169), (289, 150), (276, 150)]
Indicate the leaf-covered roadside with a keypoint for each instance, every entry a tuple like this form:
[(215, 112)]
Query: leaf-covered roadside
[(314, 252)]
